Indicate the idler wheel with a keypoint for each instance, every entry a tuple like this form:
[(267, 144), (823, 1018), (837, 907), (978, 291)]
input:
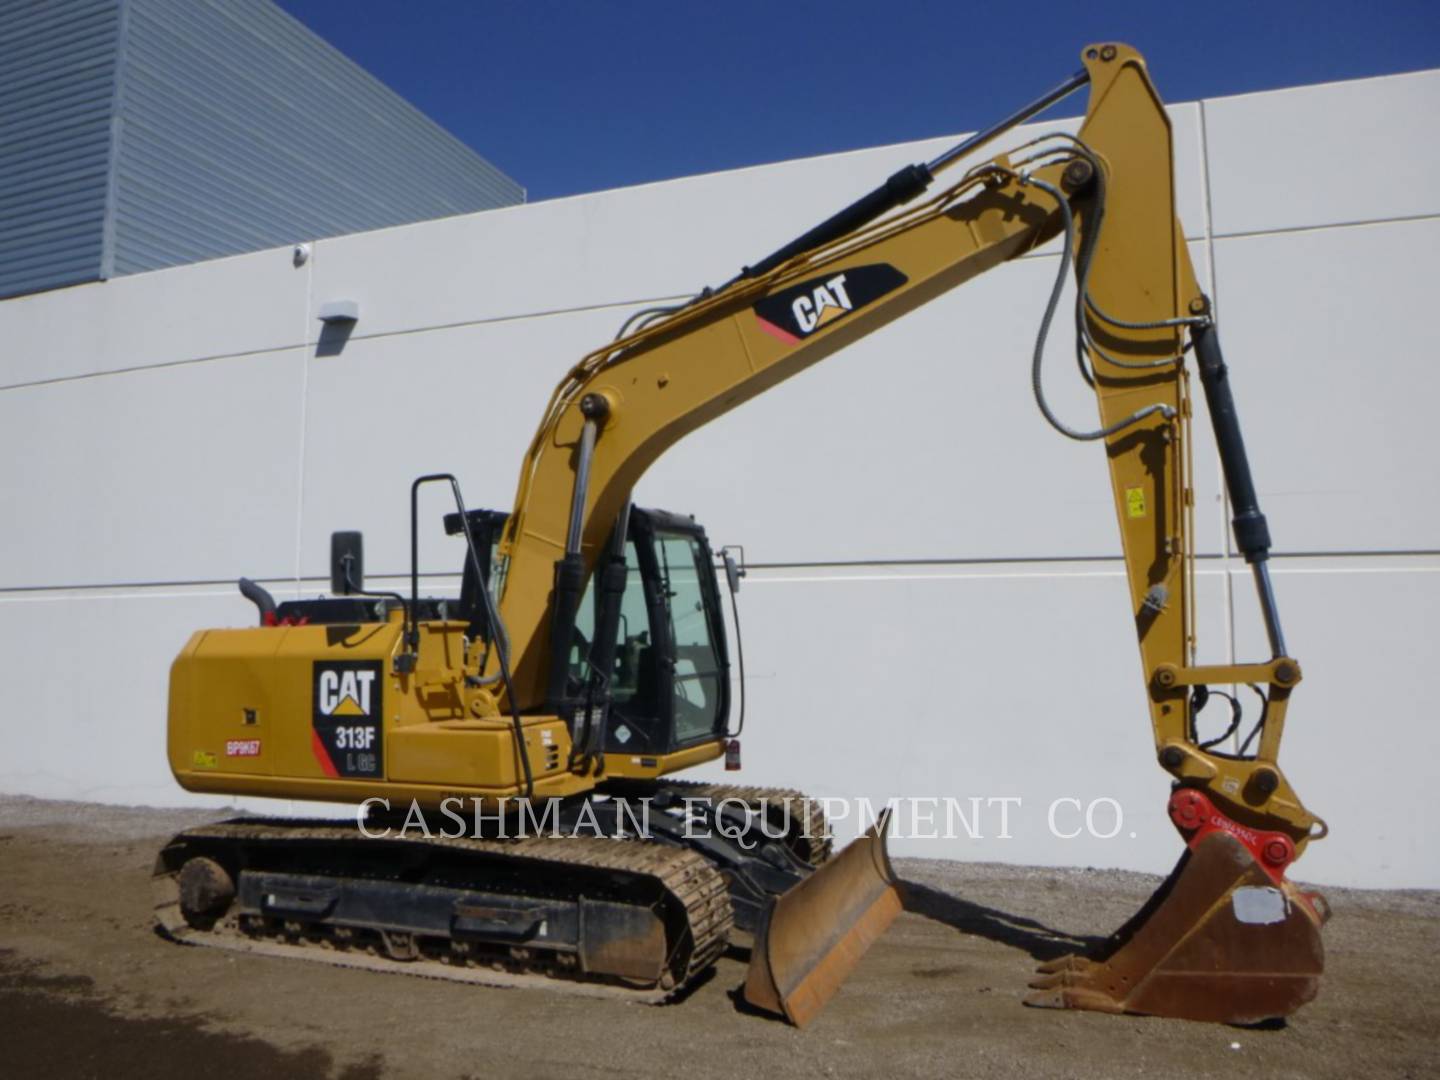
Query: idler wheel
[(206, 891)]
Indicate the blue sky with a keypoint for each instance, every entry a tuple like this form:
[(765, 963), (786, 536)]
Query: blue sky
[(577, 96)]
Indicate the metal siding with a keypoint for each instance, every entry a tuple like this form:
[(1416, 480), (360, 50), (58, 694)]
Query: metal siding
[(57, 79), (240, 129)]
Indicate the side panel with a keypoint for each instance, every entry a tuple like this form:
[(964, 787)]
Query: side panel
[(316, 712), (272, 701)]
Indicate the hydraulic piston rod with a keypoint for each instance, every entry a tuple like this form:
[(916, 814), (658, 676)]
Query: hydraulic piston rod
[(1019, 116), (1252, 532)]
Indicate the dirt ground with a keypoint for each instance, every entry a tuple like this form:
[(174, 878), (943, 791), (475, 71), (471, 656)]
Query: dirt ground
[(88, 989)]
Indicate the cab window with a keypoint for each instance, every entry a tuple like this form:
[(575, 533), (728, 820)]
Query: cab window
[(632, 639), (684, 574)]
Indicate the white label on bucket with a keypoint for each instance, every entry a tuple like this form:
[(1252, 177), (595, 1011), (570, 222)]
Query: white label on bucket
[(1259, 905)]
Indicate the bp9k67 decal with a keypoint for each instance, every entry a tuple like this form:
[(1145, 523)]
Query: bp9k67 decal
[(795, 313), (347, 729)]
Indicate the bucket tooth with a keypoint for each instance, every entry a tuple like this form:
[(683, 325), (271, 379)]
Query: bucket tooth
[(1068, 977), (1064, 964), (810, 938), (1221, 940)]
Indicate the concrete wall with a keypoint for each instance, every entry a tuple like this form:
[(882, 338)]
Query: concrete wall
[(936, 607)]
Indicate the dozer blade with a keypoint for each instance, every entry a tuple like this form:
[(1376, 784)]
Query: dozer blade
[(811, 938), (1221, 940)]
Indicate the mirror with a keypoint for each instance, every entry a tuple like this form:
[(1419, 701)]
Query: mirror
[(347, 563), (733, 572)]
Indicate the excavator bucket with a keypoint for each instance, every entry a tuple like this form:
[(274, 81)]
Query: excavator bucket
[(1221, 940), (811, 938)]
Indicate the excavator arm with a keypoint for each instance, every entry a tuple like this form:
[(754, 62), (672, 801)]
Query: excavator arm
[(1228, 937), (626, 403)]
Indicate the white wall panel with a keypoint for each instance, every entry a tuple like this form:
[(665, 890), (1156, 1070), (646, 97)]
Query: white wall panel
[(656, 240), (249, 303), (186, 473), (1330, 342), (1324, 155), (1019, 680), (87, 720), (464, 400), (1189, 167), (1361, 740), (922, 441)]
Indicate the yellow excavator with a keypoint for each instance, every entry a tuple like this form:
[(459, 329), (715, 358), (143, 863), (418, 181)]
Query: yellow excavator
[(585, 661)]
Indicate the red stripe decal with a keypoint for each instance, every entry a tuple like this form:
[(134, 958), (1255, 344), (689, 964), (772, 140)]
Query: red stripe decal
[(777, 332), (317, 747)]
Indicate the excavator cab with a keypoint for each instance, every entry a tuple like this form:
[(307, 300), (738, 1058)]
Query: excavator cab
[(654, 653), (668, 680)]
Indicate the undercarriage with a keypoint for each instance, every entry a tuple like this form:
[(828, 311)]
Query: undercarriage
[(634, 890)]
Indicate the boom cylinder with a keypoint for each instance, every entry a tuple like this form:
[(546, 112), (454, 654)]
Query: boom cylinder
[(582, 487), (900, 188), (570, 569)]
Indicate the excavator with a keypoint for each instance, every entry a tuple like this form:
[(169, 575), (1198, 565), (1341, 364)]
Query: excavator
[(585, 661)]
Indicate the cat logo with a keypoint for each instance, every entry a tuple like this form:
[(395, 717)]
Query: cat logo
[(345, 693), (799, 311), (346, 735), (825, 302)]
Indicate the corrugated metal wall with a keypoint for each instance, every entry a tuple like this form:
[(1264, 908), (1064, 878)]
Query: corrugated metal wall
[(57, 84), (139, 134), (241, 129)]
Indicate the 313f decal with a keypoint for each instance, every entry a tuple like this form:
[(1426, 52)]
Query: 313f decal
[(347, 737)]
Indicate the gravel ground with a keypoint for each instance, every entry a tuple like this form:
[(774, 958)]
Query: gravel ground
[(88, 989)]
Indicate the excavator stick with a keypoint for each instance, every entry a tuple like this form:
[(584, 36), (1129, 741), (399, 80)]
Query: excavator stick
[(1224, 939), (811, 937)]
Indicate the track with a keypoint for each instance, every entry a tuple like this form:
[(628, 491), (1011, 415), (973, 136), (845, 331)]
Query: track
[(803, 818), (505, 913)]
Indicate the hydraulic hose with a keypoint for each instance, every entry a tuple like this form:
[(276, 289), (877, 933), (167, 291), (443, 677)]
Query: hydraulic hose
[(1038, 360)]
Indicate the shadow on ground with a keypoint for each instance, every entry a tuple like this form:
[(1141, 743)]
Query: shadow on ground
[(58, 1026), (1040, 941)]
